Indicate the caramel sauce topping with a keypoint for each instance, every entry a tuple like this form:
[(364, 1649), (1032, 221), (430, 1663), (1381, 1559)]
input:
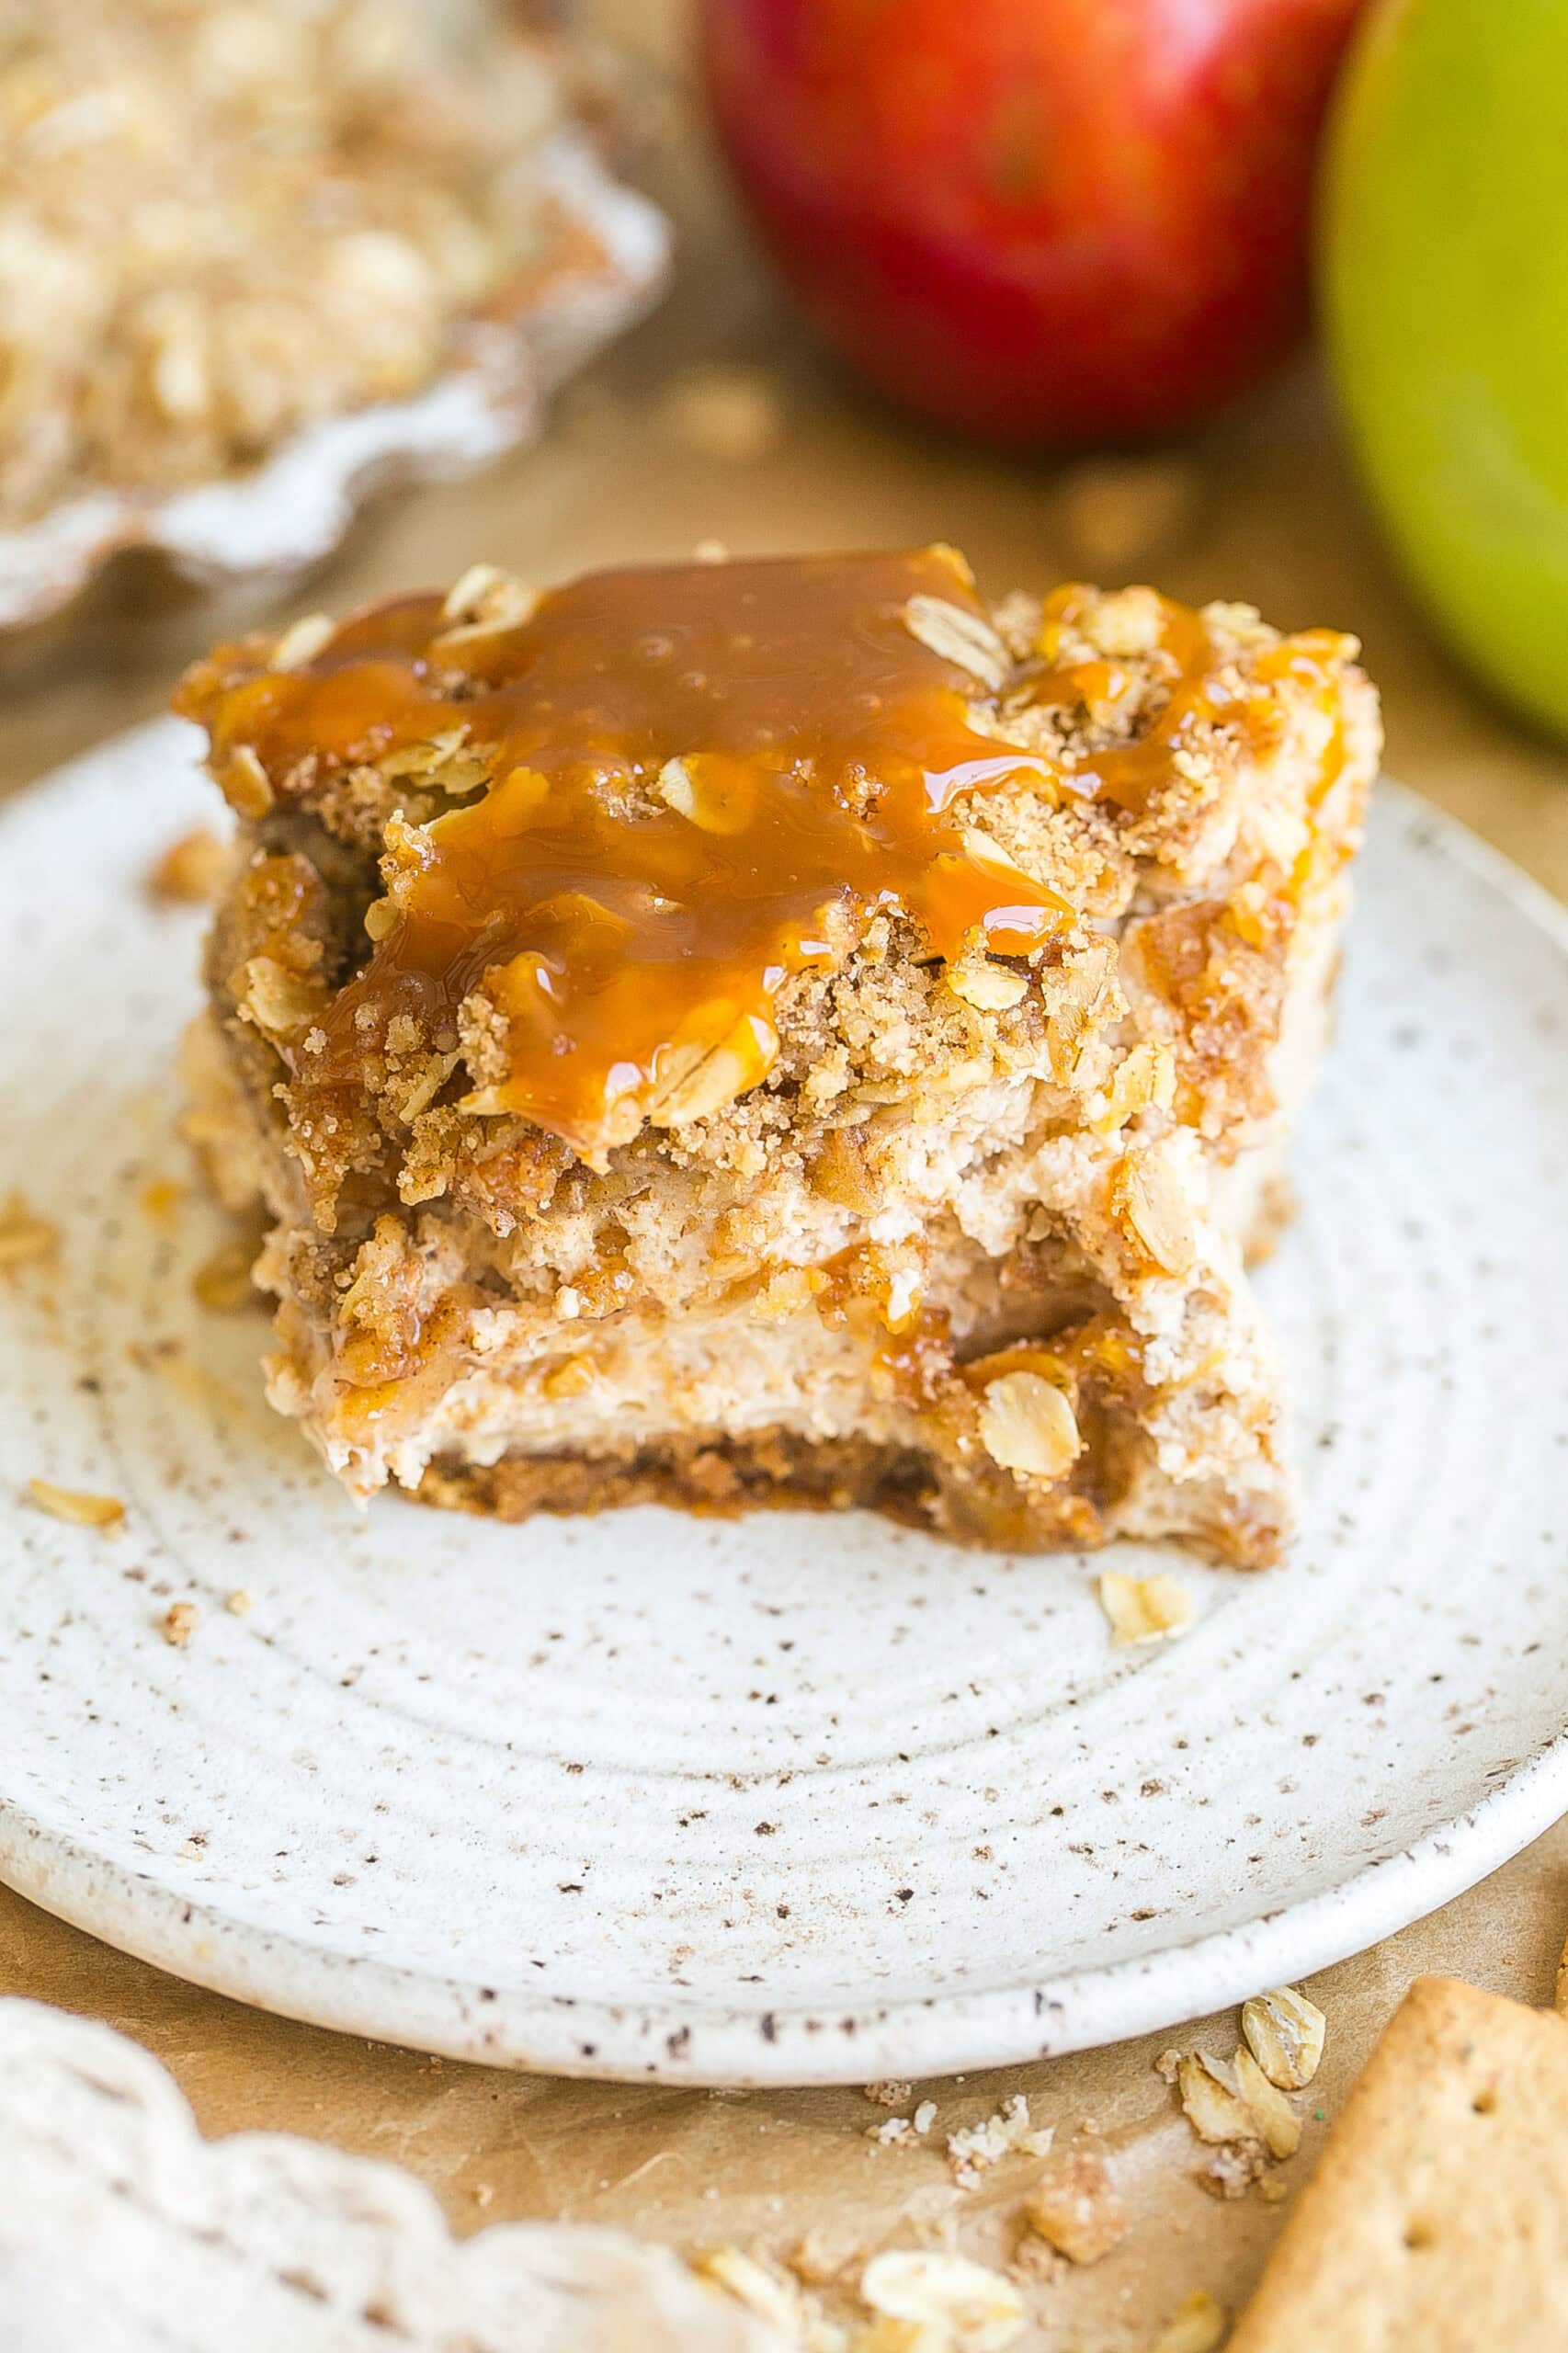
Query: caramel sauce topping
[(1128, 774), (704, 778)]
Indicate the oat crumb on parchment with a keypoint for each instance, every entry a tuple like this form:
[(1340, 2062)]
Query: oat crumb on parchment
[(815, 2259), (774, 2296), (921, 2299), (1285, 2033), (1211, 2100), (1074, 2208), (897, 2130), (977, 2148), (1242, 2110), (950, 2303), (1198, 2325), (1230, 2171)]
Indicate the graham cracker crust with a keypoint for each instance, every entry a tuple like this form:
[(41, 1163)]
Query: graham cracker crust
[(778, 1470)]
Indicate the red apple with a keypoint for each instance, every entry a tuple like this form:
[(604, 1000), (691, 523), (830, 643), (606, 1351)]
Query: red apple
[(1035, 220)]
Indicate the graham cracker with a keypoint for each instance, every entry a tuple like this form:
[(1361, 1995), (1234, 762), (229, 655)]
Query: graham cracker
[(1438, 2219)]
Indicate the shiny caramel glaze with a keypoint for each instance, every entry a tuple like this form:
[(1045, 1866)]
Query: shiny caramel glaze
[(703, 779), (1129, 773)]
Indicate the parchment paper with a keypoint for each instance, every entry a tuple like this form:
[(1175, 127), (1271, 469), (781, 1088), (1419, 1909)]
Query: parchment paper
[(1261, 508)]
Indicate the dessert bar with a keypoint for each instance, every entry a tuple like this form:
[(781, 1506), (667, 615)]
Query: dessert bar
[(781, 1030)]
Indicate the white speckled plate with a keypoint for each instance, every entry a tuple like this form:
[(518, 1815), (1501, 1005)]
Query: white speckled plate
[(785, 1798)]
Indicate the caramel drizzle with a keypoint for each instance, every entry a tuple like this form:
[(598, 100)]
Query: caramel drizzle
[(629, 918), (1130, 774)]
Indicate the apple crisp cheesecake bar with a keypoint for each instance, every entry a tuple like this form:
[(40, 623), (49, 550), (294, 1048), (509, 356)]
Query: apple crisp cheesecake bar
[(781, 1030)]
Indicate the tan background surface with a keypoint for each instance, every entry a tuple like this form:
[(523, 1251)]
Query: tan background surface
[(1275, 520)]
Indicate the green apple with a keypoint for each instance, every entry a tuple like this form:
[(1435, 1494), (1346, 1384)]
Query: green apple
[(1445, 292)]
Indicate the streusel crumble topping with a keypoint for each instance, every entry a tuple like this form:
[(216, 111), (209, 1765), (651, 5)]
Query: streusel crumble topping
[(701, 780)]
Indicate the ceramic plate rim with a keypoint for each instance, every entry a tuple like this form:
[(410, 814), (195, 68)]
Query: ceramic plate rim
[(703, 2045)]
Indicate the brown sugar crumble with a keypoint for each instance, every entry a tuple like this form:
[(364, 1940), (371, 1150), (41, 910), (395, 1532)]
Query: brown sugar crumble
[(781, 1030)]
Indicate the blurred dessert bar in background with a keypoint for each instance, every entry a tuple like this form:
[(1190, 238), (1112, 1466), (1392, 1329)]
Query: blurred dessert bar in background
[(224, 224)]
